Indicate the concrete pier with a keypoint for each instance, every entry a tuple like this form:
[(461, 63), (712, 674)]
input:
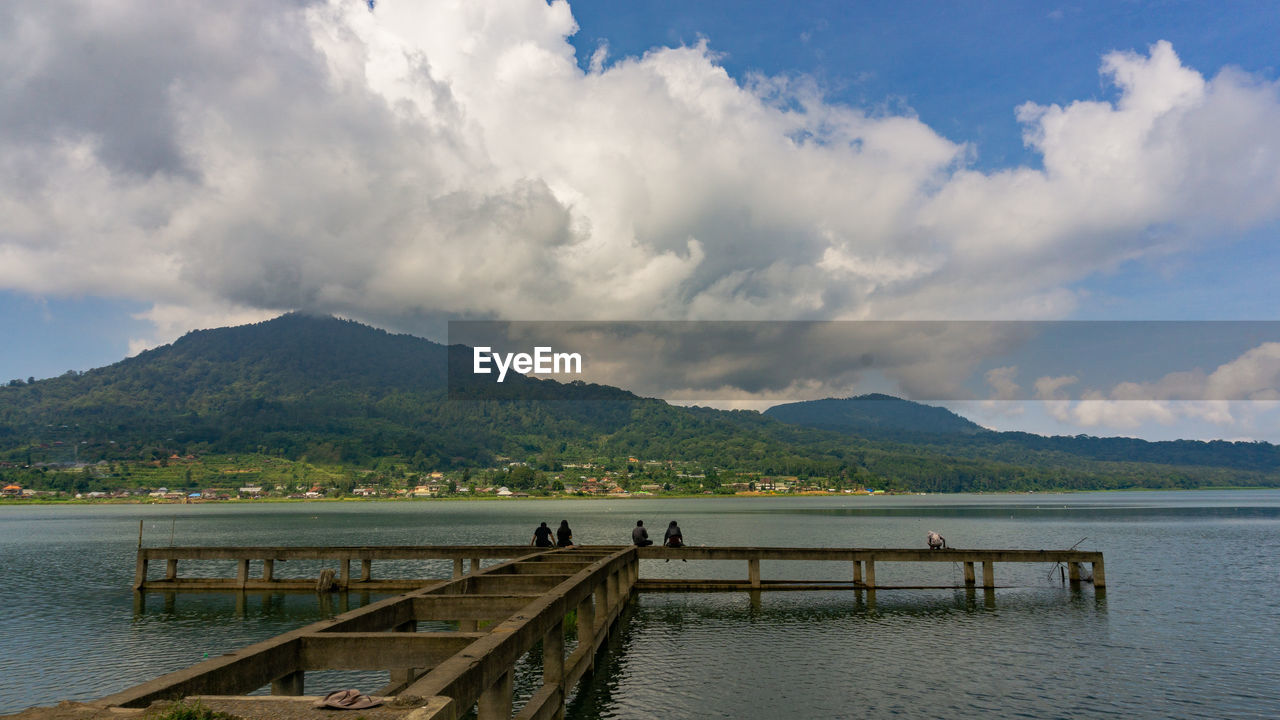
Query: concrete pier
[(520, 603)]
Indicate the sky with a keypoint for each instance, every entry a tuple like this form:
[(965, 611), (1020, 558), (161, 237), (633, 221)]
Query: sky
[(172, 166)]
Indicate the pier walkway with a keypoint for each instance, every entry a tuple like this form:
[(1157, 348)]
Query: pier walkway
[(524, 602)]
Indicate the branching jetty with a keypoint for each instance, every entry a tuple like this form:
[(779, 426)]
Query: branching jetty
[(523, 601)]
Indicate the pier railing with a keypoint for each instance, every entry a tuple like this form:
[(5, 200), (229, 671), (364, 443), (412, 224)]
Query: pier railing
[(256, 566), (864, 564)]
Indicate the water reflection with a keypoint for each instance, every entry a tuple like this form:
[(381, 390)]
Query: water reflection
[(835, 654), (275, 606)]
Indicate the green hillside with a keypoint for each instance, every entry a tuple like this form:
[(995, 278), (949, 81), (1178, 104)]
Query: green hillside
[(937, 429), (323, 390), (874, 415)]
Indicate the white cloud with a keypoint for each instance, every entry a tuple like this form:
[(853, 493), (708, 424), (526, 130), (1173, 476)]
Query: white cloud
[(1235, 395), (1050, 388), (172, 321), (452, 159), (1003, 381)]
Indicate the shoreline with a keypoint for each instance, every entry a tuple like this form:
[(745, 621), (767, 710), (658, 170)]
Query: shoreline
[(7, 502)]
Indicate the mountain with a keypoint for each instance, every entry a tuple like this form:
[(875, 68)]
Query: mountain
[(874, 415), (885, 417), (295, 386), (325, 390)]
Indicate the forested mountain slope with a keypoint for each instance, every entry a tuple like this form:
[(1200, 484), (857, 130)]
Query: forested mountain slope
[(331, 390)]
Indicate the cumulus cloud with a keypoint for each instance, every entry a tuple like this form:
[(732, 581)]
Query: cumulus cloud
[(1235, 394), (452, 159), (738, 362)]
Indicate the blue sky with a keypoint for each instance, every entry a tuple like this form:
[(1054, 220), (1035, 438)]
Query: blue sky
[(962, 67), (442, 160)]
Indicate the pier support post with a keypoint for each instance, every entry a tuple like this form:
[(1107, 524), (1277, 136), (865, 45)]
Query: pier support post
[(871, 573), (475, 565), (366, 570), (171, 569), (1073, 572), (553, 663), (291, 684), (404, 676), (601, 604), (457, 568), (242, 572), (344, 572), (611, 591), (969, 578), (495, 701), (140, 575), (586, 619), (988, 574), (857, 572), (268, 570), (753, 572), (1099, 574)]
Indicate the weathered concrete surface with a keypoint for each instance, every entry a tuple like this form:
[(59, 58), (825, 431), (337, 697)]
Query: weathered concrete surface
[(292, 585), (377, 651), (68, 710), (255, 666), (864, 554), (370, 552), (468, 607), (300, 708), (722, 585), (477, 670), (268, 556), (527, 599)]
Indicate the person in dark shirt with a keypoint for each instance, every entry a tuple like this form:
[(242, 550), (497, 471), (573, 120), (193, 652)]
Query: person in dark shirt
[(673, 537), (640, 536), (564, 536), (542, 536)]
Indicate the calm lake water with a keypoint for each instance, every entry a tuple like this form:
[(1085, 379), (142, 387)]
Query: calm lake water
[(1189, 626)]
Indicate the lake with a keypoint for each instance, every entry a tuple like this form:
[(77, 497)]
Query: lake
[(1187, 627)]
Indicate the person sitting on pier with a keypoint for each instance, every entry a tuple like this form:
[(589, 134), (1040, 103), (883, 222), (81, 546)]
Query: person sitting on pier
[(936, 541), (640, 536), (564, 536), (674, 538), (542, 536)]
